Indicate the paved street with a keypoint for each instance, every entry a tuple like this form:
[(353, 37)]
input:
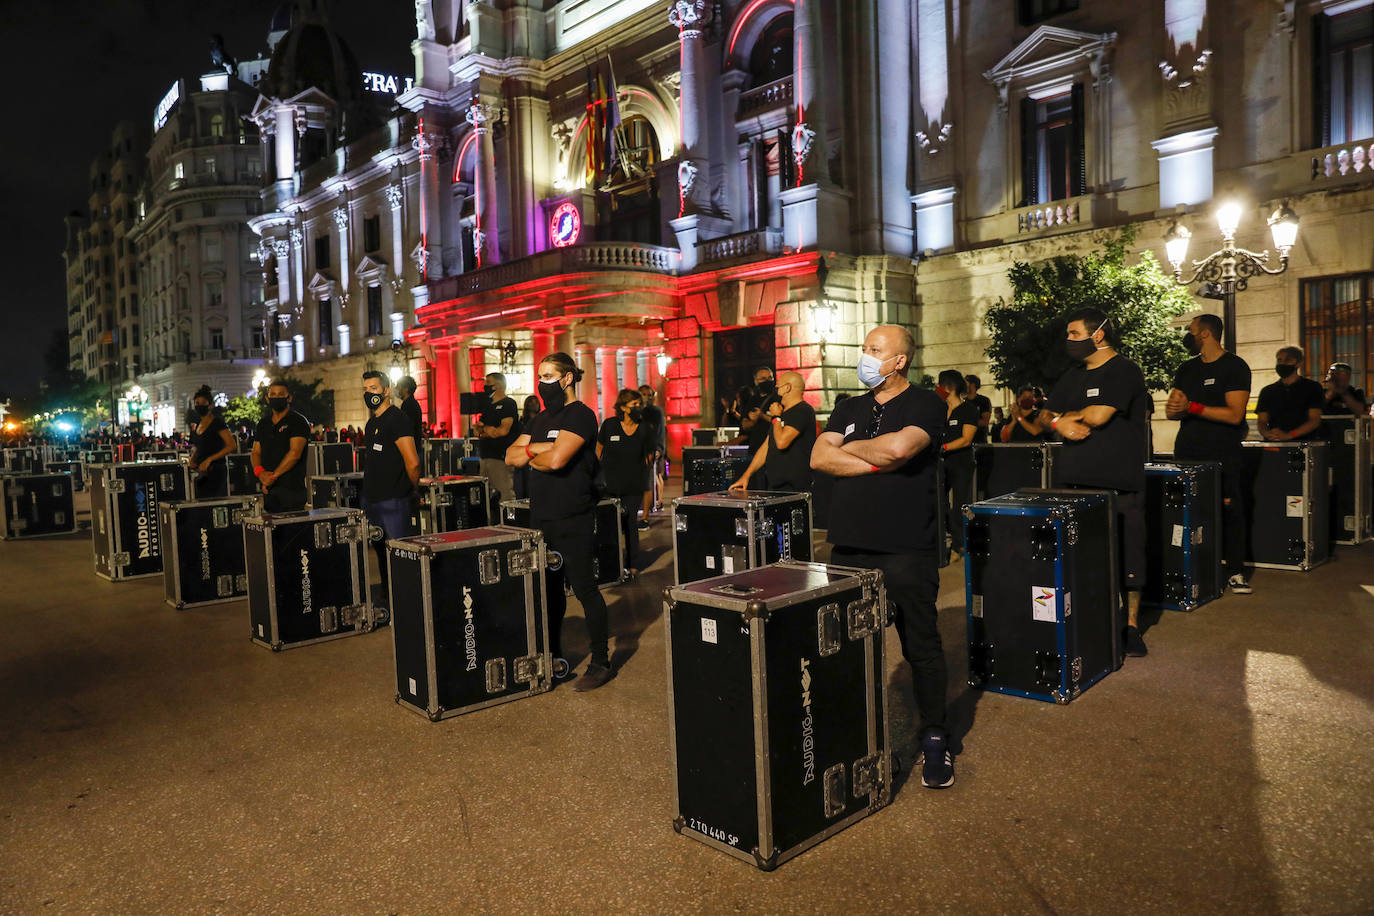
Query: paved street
[(156, 761)]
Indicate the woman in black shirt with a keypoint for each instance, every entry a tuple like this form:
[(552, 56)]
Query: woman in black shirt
[(520, 477), (961, 424), (210, 442), (559, 448), (625, 451)]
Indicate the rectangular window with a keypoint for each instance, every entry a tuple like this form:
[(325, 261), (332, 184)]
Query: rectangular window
[(179, 170), (207, 165), (322, 252), (217, 338), (214, 294), (211, 249), (1030, 12), (1343, 77), (374, 311), (1052, 148), (257, 338), (207, 209), (1338, 326), (372, 233), (325, 310)]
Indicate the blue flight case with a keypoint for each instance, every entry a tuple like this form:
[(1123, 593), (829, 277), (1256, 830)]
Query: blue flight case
[(1042, 593), (1183, 568)]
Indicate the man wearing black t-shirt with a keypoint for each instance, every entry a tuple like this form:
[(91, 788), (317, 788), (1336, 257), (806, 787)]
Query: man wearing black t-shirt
[(972, 384), (392, 469), (405, 389), (785, 456), (496, 429), (1290, 408), (1340, 397), (278, 447), (1099, 409), (1209, 398), (960, 432), (880, 448)]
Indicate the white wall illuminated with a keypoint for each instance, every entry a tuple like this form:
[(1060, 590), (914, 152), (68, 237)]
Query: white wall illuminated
[(934, 219), (932, 48), (1183, 21), (1185, 168)]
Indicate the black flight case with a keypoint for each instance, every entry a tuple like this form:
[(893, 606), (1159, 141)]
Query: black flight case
[(323, 458), (443, 457), (73, 466), (728, 532), (335, 491), (453, 503), (608, 560), (307, 577), (241, 479), (1042, 593), (1000, 468), (161, 454), (711, 475), (1352, 506), (777, 707), (125, 501), (21, 460), (1183, 568), (1290, 504), (36, 505), (468, 622), (203, 544)]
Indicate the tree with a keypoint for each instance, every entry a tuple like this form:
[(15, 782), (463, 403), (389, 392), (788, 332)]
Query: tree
[(244, 411), (1027, 333)]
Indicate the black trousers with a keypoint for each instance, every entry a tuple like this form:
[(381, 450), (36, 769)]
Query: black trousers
[(283, 498), (958, 492), (912, 580), (1234, 505), (629, 524), (574, 540)]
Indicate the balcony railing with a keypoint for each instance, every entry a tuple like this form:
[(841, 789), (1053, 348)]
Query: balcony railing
[(1048, 216), (592, 256), (1344, 160), (741, 245), (776, 94)]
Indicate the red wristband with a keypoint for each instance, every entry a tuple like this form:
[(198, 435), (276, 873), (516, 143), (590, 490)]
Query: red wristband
[(944, 447), (874, 468), (1054, 424), (1195, 408), (528, 453), (257, 470)]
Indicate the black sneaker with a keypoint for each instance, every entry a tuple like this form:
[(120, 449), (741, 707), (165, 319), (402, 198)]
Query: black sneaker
[(595, 676), (1135, 646), (937, 766), (643, 524), (1239, 584)]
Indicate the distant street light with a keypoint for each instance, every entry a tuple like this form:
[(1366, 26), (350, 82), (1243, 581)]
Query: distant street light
[(1229, 269)]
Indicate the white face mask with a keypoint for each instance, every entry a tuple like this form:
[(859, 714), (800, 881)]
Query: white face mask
[(871, 370)]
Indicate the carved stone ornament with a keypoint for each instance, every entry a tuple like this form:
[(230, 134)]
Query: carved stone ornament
[(689, 17), (479, 241), (803, 138), (425, 144), (934, 144), (394, 196), (420, 256), (480, 116), (1183, 80), (301, 123), (424, 20), (686, 177), (341, 218), (562, 137), (264, 252), (297, 238), (281, 248)]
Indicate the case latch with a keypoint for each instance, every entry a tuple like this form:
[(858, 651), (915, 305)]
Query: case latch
[(834, 783), (219, 517), (523, 562), (329, 619), (224, 586), (496, 675), (116, 485), (863, 618), (362, 617), (475, 496), (167, 481), (679, 522), (324, 536), (489, 567), (828, 629), (120, 559), (528, 669), (443, 498), (868, 775)]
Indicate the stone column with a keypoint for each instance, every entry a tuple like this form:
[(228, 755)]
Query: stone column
[(427, 145), (808, 136), (690, 17), (395, 196), (345, 267), (445, 406), (286, 142), (629, 366), (484, 235), (586, 391), (606, 357)]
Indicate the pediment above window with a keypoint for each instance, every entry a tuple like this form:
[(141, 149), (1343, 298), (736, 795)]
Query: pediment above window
[(370, 268), (1050, 56), (321, 286)]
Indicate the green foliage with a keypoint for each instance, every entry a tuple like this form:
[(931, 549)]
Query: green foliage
[(306, 398), (926, 383), (1027, 333)]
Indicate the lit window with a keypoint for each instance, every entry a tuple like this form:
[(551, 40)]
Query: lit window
[(1052, 147), (1344, 74)]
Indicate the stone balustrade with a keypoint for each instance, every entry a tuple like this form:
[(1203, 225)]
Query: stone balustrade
[(1343, 160), (777, 94), (740, 245), (1047, 216)]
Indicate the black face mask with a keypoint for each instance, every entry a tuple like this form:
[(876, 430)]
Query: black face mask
[(1192, 344), (201, 409), (765, 387), (278, 404), (372, 399), (1284, 370), (551, 393), (636, 414), (487, 389), (1080, 349)]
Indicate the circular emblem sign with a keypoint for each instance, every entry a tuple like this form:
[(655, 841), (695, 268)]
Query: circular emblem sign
[(565, 225)]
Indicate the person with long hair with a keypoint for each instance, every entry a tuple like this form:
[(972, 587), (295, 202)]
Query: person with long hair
[(559, 448), (520, 477), (624, 449), (211, 441)]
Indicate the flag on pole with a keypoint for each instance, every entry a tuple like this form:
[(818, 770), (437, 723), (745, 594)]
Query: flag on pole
[(612, 119), (591, 129)]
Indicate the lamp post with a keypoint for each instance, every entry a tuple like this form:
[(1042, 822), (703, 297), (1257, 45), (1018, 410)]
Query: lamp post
[(1229, 269)]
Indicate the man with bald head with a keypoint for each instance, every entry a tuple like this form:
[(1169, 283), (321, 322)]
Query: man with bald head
[(785, 455), (882, 448)]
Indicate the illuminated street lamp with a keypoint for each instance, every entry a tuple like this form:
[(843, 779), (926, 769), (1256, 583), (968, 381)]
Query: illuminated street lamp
[(1229, 269)]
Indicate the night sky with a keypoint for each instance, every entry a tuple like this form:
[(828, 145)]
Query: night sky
[(73, 71)]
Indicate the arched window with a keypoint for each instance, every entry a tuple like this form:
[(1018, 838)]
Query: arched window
[(217, 126), (628, 205), (771, 58)]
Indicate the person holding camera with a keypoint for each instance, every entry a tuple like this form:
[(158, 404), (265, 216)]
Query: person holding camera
[(1025, 425), (1341, 398)]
